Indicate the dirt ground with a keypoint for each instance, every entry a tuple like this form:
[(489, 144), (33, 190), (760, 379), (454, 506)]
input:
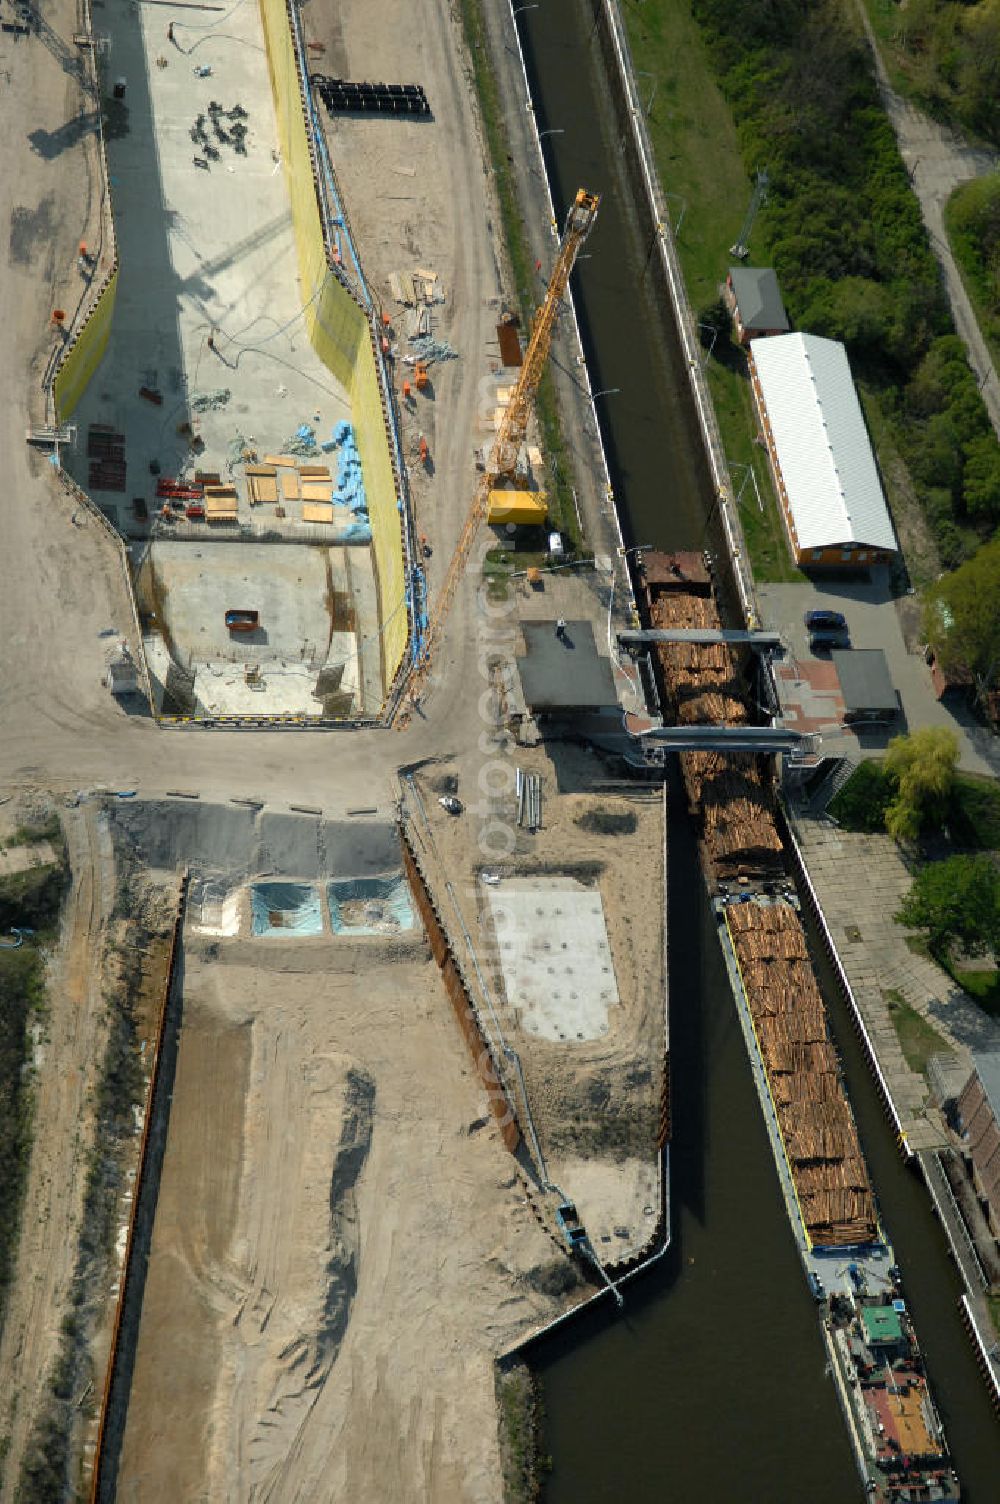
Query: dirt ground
[(417, 195), (67, 1064), (340, 1248), (597, 1098), (85, 969)]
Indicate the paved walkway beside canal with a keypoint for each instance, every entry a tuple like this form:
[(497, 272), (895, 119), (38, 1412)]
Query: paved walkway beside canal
[(860, 881)]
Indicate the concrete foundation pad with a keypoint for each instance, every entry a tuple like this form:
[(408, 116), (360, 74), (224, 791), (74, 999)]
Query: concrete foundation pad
[(555, 956), (618, 1204), (304, 595), (209, 366)]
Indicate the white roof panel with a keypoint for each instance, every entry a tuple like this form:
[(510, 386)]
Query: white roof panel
[(822, 445)]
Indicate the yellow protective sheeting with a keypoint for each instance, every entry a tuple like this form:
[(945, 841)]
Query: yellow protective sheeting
[(528, 508), (83, 357), (383, 510), (340, 334)]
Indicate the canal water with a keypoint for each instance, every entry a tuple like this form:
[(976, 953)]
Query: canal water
[(711, 1385)]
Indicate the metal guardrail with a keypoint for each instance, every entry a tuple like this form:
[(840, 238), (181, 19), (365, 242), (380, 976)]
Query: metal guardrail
[(670, 262), (951, 1217), (213, 532), (82, 499), (860, 1027)]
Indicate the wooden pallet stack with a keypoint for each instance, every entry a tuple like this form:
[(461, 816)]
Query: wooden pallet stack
[(819, 1133), (106, 453)]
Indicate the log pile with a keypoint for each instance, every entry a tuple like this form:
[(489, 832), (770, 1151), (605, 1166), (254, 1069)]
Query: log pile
[(727, 791), (820, 1137)]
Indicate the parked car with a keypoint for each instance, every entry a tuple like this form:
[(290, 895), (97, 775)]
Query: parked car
[(825, 621), (822, 642)]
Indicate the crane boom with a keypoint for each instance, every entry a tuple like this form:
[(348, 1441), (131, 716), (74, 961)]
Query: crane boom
[(579, 222), (514, 424)]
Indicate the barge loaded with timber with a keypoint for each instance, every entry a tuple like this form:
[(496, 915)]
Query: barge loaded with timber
[(849, 1263)]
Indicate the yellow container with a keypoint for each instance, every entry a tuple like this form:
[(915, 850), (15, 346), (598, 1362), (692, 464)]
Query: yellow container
[(527, 508)]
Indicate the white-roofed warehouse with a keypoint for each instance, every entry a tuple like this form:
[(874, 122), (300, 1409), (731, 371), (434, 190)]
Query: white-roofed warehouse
[(824, 468)]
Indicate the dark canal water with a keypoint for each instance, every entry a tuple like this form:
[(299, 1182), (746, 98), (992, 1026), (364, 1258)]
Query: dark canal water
[(711, 1385)]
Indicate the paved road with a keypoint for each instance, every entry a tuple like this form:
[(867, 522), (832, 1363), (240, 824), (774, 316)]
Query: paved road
[(875, 618), (860, 881), (938, 159)]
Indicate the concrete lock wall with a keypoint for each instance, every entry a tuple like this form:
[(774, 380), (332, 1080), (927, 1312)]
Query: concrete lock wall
[(339, 330), (83, 354)]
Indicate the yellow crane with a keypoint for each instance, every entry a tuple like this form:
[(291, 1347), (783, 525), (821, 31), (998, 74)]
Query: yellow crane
[(513, 426)]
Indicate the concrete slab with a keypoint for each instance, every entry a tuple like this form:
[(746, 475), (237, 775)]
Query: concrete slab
[(618, 1203), (874, 620), (305, 597), (201, 249), (555, 956), (208, 320)]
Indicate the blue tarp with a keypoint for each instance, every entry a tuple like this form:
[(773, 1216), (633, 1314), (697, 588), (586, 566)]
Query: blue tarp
[(370, 905), (285, 909)]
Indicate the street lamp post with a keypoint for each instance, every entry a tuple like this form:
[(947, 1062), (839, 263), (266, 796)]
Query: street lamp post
[(715, 334), (678, 198), (606, 391), (748, 474), (552, 130), (519, 8), (641, 73)]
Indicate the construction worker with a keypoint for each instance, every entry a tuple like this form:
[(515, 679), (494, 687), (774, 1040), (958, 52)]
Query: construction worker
[(561, 629)]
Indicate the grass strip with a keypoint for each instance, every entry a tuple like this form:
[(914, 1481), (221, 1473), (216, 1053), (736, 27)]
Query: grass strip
[(720, 82), (918, 1039), (519, 1420), (562, 509), (972, 815), (708, 192)]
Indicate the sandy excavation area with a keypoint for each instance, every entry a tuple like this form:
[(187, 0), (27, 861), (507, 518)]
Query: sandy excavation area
[(341, 1242)]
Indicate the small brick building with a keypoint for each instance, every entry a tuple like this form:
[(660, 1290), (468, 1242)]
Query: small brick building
[(979, 1117), (753, 298)]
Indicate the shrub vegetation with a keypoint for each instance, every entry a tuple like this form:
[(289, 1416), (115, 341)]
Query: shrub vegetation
[(845, 236), (946, 55), (972, 218)]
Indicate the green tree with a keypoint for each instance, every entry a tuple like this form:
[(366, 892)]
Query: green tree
[(922, 769), (962, 619), (957, 902)]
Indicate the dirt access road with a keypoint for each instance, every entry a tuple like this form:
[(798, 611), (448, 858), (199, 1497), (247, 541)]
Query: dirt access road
[(68, 1063), (938, 159)]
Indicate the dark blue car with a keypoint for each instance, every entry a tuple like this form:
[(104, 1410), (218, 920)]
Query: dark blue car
[(825, 621)]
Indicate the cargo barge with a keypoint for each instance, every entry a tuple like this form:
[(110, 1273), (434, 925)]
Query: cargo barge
[(849, 1264)]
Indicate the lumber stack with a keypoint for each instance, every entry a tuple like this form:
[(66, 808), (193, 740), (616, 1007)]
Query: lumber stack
[(727, 792), (819, 1133)]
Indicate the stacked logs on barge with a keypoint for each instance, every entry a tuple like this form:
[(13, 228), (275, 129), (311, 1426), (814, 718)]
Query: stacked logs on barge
[(700, 684), (817, 1127)]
